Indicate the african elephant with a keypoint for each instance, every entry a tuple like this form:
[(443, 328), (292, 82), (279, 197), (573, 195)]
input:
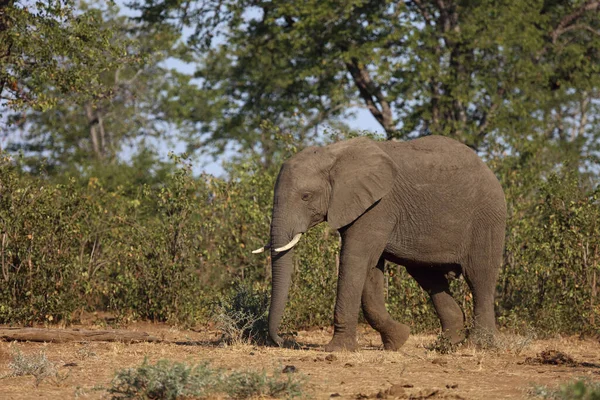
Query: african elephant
[(429, 204)]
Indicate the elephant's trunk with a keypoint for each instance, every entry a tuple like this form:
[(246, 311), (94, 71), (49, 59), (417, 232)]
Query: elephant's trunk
[(282, 267)]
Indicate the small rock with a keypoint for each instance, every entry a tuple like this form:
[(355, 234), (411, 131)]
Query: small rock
[(289, 369), (319, 359), (408, 385), (382, 395), (335, 395), (452, 386), (251, 353), (331, 357), (361, 396), (397, 390), (70, 364), (348, 365)]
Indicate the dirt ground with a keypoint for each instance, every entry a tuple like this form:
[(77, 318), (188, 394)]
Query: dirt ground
[(468, 373)]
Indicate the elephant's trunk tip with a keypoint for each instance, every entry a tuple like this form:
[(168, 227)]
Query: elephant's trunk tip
[(277, 340)]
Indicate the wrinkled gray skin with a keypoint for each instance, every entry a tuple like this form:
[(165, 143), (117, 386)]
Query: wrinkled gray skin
[(429, 204)]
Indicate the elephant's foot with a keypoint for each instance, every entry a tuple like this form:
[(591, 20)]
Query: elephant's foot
[(340, 343), (394, 336)]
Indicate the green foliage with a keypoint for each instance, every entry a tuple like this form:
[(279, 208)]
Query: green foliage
[(46, 230), (312, 295), (550, 278), (481, 72), (144, 101), (52, 44), (167, 249), (67, 248), (167, 380), (583, 389)]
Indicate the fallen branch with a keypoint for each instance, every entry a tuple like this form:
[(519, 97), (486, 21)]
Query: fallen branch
[(73, 335)]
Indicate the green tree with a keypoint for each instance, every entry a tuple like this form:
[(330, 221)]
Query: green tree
[(148, 102), (477, 71), (51, 43)]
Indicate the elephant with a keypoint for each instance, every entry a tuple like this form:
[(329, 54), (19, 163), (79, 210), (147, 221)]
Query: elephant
[(429, 204)]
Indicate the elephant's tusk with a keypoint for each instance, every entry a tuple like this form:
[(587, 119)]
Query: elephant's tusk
[(265, 247), (290, 244)]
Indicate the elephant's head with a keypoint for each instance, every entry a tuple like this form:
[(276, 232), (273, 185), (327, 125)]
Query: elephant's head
[(337, 183)]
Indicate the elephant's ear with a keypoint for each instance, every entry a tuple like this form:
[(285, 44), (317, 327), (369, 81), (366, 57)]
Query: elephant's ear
[(362, 174)]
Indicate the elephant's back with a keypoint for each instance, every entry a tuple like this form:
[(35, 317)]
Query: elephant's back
[(435, 153), (432, 158), (444, 168)]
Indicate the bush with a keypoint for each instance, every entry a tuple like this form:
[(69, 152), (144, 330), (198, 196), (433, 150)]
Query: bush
[(167, 380), (168, 251), (551, 276), (36, 365), (578, 390), (243, 316)]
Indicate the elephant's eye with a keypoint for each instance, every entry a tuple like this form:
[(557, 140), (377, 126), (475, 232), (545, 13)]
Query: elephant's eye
[(306, 196)]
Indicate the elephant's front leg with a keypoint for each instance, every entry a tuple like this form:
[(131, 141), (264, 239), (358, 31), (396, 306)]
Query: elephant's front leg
[(393, 333), (357, 255)]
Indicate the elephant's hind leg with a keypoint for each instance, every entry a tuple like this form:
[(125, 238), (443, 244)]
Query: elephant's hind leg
[(435, 283), (393, 333), (481, 273)]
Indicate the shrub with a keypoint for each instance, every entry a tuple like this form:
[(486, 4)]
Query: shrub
[(167, 380), (583, 389), (243, 316), (551, 276), (36, 365)]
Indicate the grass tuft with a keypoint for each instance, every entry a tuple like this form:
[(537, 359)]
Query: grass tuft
[(36, 365)]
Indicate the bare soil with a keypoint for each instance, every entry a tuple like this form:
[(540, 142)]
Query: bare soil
[(507, 372)]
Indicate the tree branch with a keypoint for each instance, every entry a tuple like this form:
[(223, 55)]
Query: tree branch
[(372, 95), (423, 11), (563, 24), (576, 27)]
